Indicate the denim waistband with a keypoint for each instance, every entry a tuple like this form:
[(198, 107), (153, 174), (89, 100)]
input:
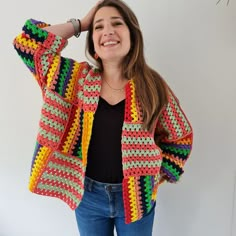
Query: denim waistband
[(90, 184)]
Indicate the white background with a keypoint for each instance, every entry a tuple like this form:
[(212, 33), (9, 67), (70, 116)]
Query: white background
[(192, 44)]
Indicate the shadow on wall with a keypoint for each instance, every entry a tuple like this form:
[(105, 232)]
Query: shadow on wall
[(222, 1)]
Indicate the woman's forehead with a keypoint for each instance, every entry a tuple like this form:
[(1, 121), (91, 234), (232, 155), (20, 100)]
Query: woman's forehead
[(106, 13)]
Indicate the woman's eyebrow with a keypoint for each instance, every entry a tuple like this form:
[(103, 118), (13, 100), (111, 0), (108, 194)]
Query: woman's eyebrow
[(112, 18)]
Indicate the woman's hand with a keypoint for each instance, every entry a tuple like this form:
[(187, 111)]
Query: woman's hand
[(86, 21), (163, 178), (66, 30)]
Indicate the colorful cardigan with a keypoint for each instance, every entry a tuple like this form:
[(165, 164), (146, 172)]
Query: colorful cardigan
[(71, 93)]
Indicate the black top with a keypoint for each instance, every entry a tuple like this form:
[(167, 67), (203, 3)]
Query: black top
[(104, 154)]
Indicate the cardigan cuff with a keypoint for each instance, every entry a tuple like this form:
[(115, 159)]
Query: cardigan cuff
[(34, 30)]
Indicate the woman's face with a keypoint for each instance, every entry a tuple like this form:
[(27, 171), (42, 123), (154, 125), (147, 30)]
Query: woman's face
[(111, 36)]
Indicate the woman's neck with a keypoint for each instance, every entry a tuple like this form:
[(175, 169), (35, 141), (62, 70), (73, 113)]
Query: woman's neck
[(112, 73)]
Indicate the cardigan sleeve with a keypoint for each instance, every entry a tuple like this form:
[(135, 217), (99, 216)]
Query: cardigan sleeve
[(41, 52), (174, 136)]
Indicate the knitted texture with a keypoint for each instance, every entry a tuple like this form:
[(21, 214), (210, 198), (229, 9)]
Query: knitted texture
[(176, 143), (71, 93)]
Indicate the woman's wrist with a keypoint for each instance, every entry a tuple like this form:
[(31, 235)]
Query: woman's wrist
[(84, 24), (76, 25)]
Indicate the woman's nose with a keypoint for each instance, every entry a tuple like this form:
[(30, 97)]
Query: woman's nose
[(109, 31)]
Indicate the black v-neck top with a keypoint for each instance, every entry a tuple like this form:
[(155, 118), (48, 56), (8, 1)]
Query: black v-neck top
[(104, 154)]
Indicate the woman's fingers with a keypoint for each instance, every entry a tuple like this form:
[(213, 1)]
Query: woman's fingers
[(87, 20)]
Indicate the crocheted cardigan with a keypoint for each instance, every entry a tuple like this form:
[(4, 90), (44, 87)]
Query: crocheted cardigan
[(70, 97)]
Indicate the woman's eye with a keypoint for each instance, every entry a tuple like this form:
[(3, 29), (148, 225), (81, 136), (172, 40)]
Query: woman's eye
[(98, 27), (118, 23)]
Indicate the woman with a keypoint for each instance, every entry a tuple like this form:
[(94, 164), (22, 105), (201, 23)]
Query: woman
[(109, 133)]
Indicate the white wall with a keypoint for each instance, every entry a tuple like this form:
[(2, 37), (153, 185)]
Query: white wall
[(193, 45)]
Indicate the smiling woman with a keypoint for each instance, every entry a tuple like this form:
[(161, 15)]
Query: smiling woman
[(110, 36), (109, 133)]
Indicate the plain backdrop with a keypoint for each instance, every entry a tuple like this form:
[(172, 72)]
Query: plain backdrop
[(192, 44)]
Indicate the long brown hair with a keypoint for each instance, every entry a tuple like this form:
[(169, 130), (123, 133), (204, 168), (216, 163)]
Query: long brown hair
[(150, 87)]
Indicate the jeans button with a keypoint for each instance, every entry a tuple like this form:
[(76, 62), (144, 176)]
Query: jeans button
[(109, 188)]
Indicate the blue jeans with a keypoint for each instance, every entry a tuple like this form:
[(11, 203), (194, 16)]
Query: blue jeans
[(102, 209)]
